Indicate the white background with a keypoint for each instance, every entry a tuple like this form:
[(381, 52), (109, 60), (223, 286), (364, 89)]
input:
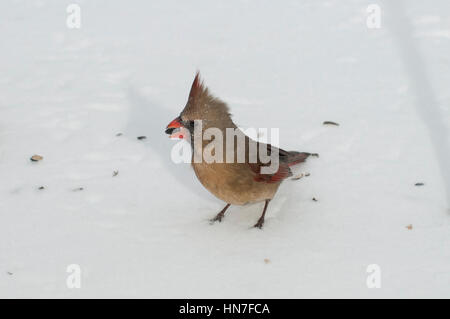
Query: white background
[(66, 93)]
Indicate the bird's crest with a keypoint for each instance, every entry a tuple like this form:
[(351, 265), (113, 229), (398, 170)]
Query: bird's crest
[(202, 105), (197, 87)]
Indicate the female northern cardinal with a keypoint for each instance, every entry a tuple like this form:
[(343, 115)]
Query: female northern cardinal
[(236, 182)]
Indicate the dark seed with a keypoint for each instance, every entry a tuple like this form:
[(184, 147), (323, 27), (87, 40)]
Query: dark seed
[(119, 134), (330, 123), (419, 184), (115, 173), (141, 137), (314, 199), (78, 189), (41, 188)]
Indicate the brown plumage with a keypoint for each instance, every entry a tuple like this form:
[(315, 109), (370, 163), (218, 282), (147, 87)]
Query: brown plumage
[(236, 183)]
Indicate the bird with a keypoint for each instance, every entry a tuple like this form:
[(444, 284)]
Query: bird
[(236, 182)]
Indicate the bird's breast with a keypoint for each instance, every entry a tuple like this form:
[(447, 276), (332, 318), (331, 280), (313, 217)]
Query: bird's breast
[(233, 183)]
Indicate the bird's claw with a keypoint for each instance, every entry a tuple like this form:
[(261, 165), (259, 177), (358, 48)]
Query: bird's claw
[(218, 218), (259, 224)]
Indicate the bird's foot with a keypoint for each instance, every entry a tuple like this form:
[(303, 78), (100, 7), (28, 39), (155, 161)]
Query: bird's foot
[(220, 215), (260, 223), (217, 218)]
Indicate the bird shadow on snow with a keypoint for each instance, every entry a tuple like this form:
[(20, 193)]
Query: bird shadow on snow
[(150, 119)]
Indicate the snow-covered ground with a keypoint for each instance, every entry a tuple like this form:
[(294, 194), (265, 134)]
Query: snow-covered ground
[(66, 93)]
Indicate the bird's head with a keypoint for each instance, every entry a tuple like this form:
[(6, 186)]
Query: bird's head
[(201, 105)]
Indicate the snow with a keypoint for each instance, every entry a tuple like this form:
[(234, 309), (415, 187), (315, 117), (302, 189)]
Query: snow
[(66, 93)]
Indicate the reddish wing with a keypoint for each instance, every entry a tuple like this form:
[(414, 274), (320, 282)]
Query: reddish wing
[(286, 159)]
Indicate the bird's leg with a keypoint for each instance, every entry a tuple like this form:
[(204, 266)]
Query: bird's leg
[(260, 222), (220, 215)]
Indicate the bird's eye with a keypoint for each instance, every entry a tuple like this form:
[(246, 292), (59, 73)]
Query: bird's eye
[(189, 124)]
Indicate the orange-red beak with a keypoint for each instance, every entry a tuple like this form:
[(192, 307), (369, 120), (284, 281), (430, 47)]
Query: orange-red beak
[(176, 123), (174, 128)]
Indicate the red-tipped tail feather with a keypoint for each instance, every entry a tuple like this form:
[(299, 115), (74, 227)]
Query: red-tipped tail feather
[(295, 158)]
